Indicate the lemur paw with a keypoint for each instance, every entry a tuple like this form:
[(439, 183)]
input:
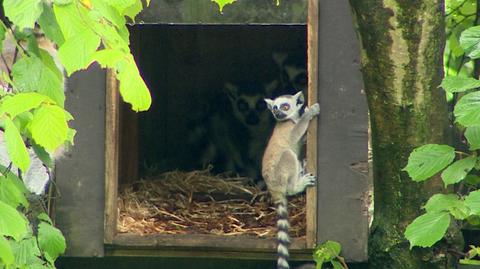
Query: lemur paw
[(309, 179), (313, 110)]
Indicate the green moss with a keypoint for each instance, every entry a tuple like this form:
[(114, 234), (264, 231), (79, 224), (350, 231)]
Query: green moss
[(406, 110)]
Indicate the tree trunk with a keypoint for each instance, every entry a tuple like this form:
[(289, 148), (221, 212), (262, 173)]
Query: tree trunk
[(402, 45)]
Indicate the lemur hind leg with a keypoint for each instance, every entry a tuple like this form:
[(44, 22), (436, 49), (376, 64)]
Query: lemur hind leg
[(301, 180)]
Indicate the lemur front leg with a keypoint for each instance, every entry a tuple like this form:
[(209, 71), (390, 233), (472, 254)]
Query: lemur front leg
[(302, 125)]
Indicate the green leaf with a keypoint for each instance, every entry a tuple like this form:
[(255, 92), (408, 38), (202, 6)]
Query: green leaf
[(49, 127), (222, 3), (458, 170), (112, 38), (442, 202), (76, 52), (10, 193), (473, 202), (43, 155), (428, 160), (6, 253), (474, 220), (132, 87), (72, 19), (51, 81), (23, 13), (21, 102), (472, 134), (454, 45), (470, 42), (22, 120), (71, 135), (45, 218), (12, 223), (26, 252), (459, 84), (5, 172), (427, 229), (109, 12), (49, 25), (327, 251), (81, 40), (2, 36), (108, 58), (337, 265), (469, 262), (17, 151), (467, 110), (33, 74), (62, 2), (51, 241), (133, 10), (472, 180), (121, 5), (447, 203)]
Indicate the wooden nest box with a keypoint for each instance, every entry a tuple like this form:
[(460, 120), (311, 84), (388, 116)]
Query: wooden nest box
[(185, 50)]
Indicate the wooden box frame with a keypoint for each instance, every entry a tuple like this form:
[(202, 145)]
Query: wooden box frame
[(201, 244), (86, 209)]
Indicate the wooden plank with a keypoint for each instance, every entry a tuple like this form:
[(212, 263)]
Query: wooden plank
[(128, 146), (80, 173), (202, 241), (312, 68), (302, 255), (212, 246), (111, 156), (342, 135)]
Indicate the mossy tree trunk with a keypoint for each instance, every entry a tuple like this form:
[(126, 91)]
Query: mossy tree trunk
[(402, 46)]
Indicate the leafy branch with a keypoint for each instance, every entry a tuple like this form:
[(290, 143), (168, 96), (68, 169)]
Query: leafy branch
[(454, 166), (34, 124)]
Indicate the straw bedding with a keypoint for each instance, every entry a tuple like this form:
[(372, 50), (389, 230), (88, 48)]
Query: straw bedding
[(198, 202)]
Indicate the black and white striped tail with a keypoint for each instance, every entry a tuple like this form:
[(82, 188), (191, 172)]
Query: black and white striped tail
[(282, 235)]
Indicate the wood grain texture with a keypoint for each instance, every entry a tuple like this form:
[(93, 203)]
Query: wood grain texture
[(243, 247), (312, 66), (111, 156)]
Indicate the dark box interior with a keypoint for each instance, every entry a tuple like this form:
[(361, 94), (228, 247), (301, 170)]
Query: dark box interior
[(208, 83)]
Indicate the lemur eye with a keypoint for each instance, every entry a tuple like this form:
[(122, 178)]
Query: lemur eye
[(260, 105), (242, 105), (285, 107)]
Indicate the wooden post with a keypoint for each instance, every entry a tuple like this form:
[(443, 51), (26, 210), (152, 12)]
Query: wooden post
[(111, 156), (312, 66)]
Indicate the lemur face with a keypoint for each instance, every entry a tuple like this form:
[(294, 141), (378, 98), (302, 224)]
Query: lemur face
[(297, 77), (247, 103), (286, 107)]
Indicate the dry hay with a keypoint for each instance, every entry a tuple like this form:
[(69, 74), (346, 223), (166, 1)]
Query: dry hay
[(199, 203)]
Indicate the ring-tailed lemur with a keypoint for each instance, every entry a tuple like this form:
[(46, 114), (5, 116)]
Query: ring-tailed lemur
[(234, 129), (281, 168)]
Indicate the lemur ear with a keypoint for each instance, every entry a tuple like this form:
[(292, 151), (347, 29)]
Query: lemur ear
[(300, 98), (231, 90), (269, 103)]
